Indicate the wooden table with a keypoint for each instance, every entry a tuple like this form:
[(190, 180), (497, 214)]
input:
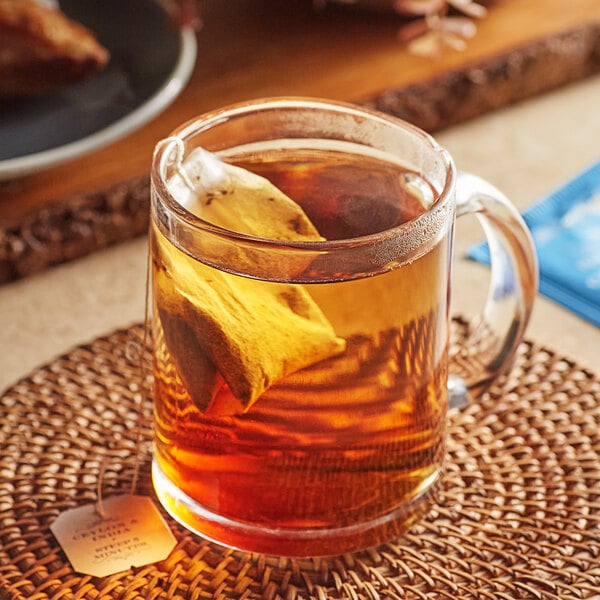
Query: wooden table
[(264, 47)]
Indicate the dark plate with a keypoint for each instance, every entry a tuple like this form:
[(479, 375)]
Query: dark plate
[(151, 61)]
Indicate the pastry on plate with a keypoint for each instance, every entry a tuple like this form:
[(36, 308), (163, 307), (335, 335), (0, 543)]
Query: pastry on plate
[(42, 49)]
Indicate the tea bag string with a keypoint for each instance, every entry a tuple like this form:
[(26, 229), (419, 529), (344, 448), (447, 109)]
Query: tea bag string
[(134, 351)]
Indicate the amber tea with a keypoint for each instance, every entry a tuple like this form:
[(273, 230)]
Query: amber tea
[(301, 263), (354, 438)]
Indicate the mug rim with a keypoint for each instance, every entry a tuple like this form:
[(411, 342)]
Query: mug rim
[(210, 119)]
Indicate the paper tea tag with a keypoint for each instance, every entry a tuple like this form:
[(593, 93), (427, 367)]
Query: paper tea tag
[(132, 533)]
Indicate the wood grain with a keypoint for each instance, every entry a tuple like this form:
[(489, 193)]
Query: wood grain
[(264, 48)]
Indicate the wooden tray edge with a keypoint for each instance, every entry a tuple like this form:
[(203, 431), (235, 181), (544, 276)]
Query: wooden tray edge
[(497, 81), (72, 227)]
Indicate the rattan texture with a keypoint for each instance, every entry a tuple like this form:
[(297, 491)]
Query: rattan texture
[(518, 515)]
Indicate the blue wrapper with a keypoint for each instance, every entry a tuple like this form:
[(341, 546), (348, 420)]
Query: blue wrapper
[(566, 231)]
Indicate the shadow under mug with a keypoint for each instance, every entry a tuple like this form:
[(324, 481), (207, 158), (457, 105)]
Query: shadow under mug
[(343, 453)]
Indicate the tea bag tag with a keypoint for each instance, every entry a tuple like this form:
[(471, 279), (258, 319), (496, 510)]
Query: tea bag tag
[(130, 533)]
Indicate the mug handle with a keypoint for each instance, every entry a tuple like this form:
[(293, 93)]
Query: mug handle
[(495, 335)]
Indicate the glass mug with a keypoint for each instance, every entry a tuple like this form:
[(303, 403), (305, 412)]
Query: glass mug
[(302, 385)]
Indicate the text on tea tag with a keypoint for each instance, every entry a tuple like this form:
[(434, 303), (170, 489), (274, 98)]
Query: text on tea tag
[(130, 533)]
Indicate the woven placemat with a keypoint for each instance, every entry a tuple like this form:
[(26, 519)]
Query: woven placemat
[(518, 515)]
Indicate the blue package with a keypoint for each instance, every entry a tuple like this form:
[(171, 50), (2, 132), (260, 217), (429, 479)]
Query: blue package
[(565, 227)]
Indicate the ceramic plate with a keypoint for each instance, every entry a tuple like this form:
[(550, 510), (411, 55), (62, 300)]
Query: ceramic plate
[(151, 61)]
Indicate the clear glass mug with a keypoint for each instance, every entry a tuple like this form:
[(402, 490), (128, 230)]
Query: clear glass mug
[(302, 384)]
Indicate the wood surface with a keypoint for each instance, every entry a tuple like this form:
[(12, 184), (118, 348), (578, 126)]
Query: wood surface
[(258, 48)]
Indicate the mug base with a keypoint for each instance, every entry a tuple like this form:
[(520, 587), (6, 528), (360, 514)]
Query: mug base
[(290, 542)]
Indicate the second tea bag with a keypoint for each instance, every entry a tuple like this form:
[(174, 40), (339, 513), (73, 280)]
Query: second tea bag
[(251, 333)]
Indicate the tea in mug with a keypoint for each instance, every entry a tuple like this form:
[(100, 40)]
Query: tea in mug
[(302, 415)]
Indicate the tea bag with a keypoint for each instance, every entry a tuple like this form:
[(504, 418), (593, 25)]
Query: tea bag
[(253, 333), (234, 198)]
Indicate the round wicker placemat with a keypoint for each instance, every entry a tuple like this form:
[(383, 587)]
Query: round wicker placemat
[(518, 515)]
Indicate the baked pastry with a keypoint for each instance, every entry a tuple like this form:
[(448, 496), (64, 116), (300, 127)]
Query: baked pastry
[(41, 49)]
